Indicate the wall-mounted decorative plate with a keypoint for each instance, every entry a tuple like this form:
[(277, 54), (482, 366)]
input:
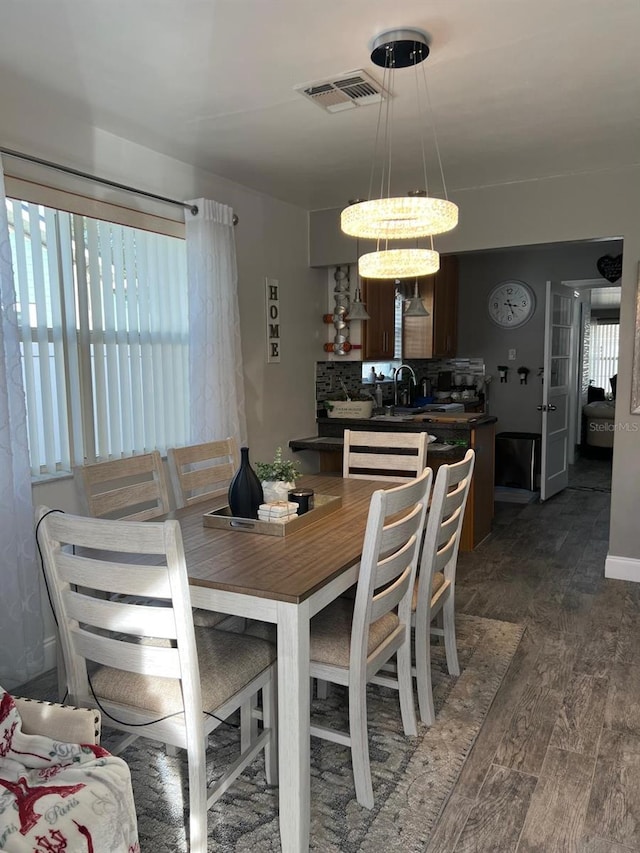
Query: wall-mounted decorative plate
[(511, 304)]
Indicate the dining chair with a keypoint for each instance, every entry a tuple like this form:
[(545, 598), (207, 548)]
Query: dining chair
[(351, 639), (147, 668), (203, 471), (434, 591), (393, 456), (132, 488)]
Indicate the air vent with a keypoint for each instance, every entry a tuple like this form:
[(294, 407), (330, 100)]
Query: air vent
[(353, 89)]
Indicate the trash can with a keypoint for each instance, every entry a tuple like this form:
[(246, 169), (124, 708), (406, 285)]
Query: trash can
[(518, 460)]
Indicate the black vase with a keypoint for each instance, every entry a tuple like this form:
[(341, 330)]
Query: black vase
[(245, 490)]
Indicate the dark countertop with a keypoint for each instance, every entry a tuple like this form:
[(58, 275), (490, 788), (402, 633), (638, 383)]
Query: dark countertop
[(431, 421), (448, 453)]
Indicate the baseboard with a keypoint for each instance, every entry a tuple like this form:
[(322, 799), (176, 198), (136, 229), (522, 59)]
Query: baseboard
[(622, 568), (50, 659)]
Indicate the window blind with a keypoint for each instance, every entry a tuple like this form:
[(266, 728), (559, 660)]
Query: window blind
[(603, 355), (103, 320)]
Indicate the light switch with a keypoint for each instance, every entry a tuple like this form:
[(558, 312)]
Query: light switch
[(512, 355)]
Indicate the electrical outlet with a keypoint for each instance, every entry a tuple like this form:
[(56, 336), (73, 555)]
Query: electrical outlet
[(512, 355)]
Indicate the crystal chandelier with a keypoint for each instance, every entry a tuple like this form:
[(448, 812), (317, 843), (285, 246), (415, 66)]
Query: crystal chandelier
[(405, 217), (399, 263)]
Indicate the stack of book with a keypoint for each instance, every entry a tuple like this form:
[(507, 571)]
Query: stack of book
[(278, 511)]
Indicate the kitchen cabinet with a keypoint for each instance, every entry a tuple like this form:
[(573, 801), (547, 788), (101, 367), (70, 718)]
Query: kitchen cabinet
[(378, 333), (435, 336)]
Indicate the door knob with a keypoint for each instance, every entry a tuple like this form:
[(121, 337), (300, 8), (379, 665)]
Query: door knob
[(551, 408)]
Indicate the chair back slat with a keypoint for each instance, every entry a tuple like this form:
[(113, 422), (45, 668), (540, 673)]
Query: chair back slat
[(444, 554), (133, 488), (121, 617), (202, 471), (395, 457), (394, 578), (88, 572), (117, 537), (154, 661)]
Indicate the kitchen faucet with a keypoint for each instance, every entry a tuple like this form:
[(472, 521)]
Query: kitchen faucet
[(396, 374)]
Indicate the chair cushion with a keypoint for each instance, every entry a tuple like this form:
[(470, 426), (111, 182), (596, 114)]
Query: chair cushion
[(228, 661), (331, 633), (436, 583), (207, 618)]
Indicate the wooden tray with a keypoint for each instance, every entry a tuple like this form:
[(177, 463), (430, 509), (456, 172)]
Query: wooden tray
[(222, 518)]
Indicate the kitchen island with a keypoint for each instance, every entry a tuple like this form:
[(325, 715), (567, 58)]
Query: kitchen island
[(465, 429)]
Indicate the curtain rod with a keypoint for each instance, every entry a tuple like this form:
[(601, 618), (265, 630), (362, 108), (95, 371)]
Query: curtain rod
[(88, 177)]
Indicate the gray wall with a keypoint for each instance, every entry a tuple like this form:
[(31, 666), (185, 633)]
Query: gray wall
[(512, 403)]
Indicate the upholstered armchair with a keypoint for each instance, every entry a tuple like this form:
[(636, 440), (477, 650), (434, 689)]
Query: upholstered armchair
[(52, 775)]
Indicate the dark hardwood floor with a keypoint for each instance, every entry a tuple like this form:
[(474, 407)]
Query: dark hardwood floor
[(556, 766)]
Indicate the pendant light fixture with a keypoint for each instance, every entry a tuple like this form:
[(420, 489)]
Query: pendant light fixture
[(414, 307), (357, 310), (405, 217)]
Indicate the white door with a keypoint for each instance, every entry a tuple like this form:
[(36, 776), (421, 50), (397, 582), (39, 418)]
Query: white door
[(558, 352)]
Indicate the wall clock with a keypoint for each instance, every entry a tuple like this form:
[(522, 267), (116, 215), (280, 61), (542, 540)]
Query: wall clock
[(511, 304)]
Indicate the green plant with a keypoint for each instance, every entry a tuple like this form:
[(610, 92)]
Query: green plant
[(279, 469)]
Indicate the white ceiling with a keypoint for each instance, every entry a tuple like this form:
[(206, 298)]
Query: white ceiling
[(521, 89)]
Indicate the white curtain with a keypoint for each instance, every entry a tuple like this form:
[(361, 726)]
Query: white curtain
[(21, 628), (216, 381)]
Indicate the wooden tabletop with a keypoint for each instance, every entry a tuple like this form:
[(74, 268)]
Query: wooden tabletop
[(288, 568)]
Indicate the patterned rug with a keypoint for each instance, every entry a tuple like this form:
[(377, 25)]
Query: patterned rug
[(412, 777)]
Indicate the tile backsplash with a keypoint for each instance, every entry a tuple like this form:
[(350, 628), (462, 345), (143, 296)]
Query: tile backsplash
[(330, 374)]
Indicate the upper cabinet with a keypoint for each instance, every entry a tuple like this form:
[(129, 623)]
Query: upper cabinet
[(435, 336), (378, 333)]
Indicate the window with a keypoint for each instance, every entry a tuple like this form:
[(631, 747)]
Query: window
[(103, 322), (603, 352)]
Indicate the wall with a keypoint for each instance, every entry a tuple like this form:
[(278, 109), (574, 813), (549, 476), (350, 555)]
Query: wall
[(512, 403)]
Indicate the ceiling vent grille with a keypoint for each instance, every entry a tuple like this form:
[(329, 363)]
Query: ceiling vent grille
[(350, 90)]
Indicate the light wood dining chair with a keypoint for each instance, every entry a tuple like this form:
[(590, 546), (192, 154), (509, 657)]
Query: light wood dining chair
[(434, 590), (351, 639), (132, 488), (203, 472), (146, 667), (435, 585), (393, 456)]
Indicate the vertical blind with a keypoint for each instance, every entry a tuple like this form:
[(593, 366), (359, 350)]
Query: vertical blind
[(603, 352), (103, 319)]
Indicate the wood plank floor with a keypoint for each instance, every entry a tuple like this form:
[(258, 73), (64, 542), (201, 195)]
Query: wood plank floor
[(556, 767)]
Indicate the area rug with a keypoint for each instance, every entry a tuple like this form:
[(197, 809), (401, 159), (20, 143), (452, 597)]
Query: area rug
[(412, 777)]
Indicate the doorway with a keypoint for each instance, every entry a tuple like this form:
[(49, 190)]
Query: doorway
[(592, 413)]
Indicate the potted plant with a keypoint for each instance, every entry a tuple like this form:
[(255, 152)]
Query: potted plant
[(277, 477)]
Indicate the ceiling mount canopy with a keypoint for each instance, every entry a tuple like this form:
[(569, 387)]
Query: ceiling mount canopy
[(412, 216), (399, 48)]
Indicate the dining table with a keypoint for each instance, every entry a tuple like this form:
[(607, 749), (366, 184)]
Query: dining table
[(283, 580)]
